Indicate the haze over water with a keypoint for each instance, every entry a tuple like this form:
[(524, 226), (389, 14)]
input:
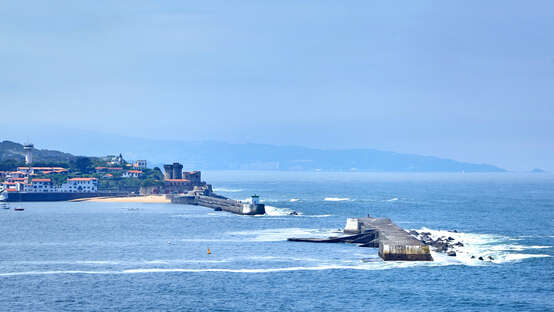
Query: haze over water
[(66, 256)]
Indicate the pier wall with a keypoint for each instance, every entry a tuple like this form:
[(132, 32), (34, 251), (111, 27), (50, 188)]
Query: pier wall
[(393, 242), (38, 197), (219, 203)]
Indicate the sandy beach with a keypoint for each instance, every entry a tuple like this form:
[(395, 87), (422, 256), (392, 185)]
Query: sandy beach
[(129, 199)]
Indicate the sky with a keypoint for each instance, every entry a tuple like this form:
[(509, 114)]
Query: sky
[(467, 80)]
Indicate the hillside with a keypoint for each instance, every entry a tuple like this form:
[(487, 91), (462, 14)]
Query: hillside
[(225, 156), (14, 151)]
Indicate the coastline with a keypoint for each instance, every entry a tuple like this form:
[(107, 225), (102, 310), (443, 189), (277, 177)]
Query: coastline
[(128, 199)]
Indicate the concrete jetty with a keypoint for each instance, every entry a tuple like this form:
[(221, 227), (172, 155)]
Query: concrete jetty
[(217, 202), (393, 242)]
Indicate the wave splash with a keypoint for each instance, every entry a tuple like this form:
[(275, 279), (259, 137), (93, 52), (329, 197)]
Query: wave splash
[(492, 248), (227, 190), (336, 199)]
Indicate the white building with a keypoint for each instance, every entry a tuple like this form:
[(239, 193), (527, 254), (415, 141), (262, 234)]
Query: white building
[(39, 186), (75, 185), (132, 174), (84, 185), (140, 164)]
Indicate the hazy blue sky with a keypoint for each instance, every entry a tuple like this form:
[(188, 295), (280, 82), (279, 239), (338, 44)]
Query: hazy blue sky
[(472, 80)]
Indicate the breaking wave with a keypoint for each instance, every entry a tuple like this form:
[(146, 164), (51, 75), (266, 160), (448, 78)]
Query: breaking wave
[(227, 190), (275, 211), (337, 199), (193, 270), (492, 248)]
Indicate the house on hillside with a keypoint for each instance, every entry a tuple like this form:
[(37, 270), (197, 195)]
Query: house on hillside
[(132, 174)]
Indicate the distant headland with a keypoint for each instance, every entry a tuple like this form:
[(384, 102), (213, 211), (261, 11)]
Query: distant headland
[(225, 156)]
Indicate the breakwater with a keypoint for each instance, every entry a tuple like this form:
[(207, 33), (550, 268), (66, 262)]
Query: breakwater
[(220, 203), (393, 242)]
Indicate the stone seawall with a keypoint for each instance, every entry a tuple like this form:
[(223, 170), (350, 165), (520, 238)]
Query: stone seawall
[(393, 242), (219, 203), (25, 197)]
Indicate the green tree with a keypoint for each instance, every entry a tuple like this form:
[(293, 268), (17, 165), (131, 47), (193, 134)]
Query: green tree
[(83, 164)]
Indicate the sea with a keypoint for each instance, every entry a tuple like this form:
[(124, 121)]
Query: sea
[(98, 256)]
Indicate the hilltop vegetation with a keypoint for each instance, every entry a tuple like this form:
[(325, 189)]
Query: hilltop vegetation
[(14, 151)]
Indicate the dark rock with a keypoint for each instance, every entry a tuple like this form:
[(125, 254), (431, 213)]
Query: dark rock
[(439, 245), (450, 238), (481, 258), (415, 233), (459, 244), (294, 213), (472, 257), (425, 233), (451, 253), (491, 258), (454, 231)]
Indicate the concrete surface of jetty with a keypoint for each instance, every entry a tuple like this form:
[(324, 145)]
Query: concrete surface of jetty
[(217, 203), (393, 242)]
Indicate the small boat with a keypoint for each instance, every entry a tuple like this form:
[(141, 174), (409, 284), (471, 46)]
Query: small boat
[(19, 209)]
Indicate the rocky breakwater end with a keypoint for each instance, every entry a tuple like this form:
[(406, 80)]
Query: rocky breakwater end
[(444, 244), (394, 243)]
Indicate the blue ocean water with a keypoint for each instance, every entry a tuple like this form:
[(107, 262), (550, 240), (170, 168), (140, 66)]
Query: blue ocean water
[(90, 256)]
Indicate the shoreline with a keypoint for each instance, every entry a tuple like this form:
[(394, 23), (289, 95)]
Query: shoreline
[(160, 199)]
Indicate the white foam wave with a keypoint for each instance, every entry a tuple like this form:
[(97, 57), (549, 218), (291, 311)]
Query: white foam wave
[(292, 200), (227, 190), (492, 248), (392, 199), (194, 270), (337, 199), (275, 211), (318, 216)]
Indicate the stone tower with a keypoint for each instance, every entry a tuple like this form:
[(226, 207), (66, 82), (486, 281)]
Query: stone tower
[(168, 172), (177, 171)]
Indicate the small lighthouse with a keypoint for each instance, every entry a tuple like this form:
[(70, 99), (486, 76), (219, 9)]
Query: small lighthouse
[(255, 200), (28, 153)]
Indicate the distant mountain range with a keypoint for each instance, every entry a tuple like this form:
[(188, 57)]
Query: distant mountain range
[(209, 155)]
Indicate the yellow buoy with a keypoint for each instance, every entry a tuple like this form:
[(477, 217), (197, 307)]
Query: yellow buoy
[(209, 252)]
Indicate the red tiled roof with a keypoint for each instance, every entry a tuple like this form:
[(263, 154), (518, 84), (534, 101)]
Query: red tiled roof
[(41, 168), (81, 179), (177, 180), (134, 171), (41, 180), (11, 190), (17, 179)]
